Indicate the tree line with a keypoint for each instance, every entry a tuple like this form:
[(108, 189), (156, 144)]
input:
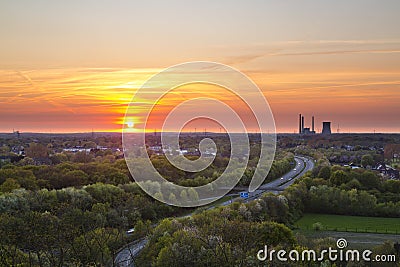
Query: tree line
[(74, 227)]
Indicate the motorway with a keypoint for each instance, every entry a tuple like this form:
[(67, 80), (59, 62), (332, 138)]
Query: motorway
[(126, 255), (303, 164)]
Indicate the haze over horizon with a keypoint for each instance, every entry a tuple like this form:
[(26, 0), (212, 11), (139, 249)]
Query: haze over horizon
[(73, 66)]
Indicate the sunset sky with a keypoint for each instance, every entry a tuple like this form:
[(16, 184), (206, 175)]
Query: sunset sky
[(73, 66)]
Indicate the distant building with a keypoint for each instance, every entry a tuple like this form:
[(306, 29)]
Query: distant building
[(388, 171), (302, 129), (307, 131), (77, 149), (17, 133), (326, 127), (19, 150), (352, 165)]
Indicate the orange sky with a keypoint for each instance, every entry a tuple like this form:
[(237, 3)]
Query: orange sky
[(73, 66), (59, 100)]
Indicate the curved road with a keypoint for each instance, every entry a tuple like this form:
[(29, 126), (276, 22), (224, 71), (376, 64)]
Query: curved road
[(301, 162), (303, 165), (126, 255)]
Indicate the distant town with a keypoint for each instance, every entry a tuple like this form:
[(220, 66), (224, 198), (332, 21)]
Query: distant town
[(80, 204)]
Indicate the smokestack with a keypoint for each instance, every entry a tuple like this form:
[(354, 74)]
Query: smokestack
[(300, 124), (312, 123)]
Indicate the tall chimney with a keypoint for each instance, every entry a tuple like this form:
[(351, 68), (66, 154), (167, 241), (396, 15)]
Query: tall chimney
[(299, 123), (312, 124), (302, 124)]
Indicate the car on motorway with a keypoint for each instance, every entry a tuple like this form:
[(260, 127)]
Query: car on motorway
[(130, 231)]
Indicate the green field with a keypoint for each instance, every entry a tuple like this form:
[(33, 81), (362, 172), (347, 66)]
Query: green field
[(350, 223)]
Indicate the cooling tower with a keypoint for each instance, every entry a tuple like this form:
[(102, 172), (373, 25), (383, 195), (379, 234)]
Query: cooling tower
[(326, 127)]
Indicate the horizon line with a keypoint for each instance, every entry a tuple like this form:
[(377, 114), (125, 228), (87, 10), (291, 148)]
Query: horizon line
[(187, 132)]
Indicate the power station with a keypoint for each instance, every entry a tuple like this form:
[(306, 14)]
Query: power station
[(306, 130), (326, 126)]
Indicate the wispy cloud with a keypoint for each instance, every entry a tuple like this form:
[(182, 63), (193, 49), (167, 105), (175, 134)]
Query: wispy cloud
[(335, 52), (78, 92), (257, 51), (84, 98)]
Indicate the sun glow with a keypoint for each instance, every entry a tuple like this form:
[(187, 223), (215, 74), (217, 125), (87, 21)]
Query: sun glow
[(79, 100)]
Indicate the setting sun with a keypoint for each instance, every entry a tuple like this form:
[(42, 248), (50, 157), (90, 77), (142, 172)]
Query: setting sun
[(347, 75)]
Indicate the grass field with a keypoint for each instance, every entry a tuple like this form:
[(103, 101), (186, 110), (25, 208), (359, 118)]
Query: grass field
[(350, 223)]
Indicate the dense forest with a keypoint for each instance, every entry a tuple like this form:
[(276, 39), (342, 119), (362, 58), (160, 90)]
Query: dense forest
[(73, 208)]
